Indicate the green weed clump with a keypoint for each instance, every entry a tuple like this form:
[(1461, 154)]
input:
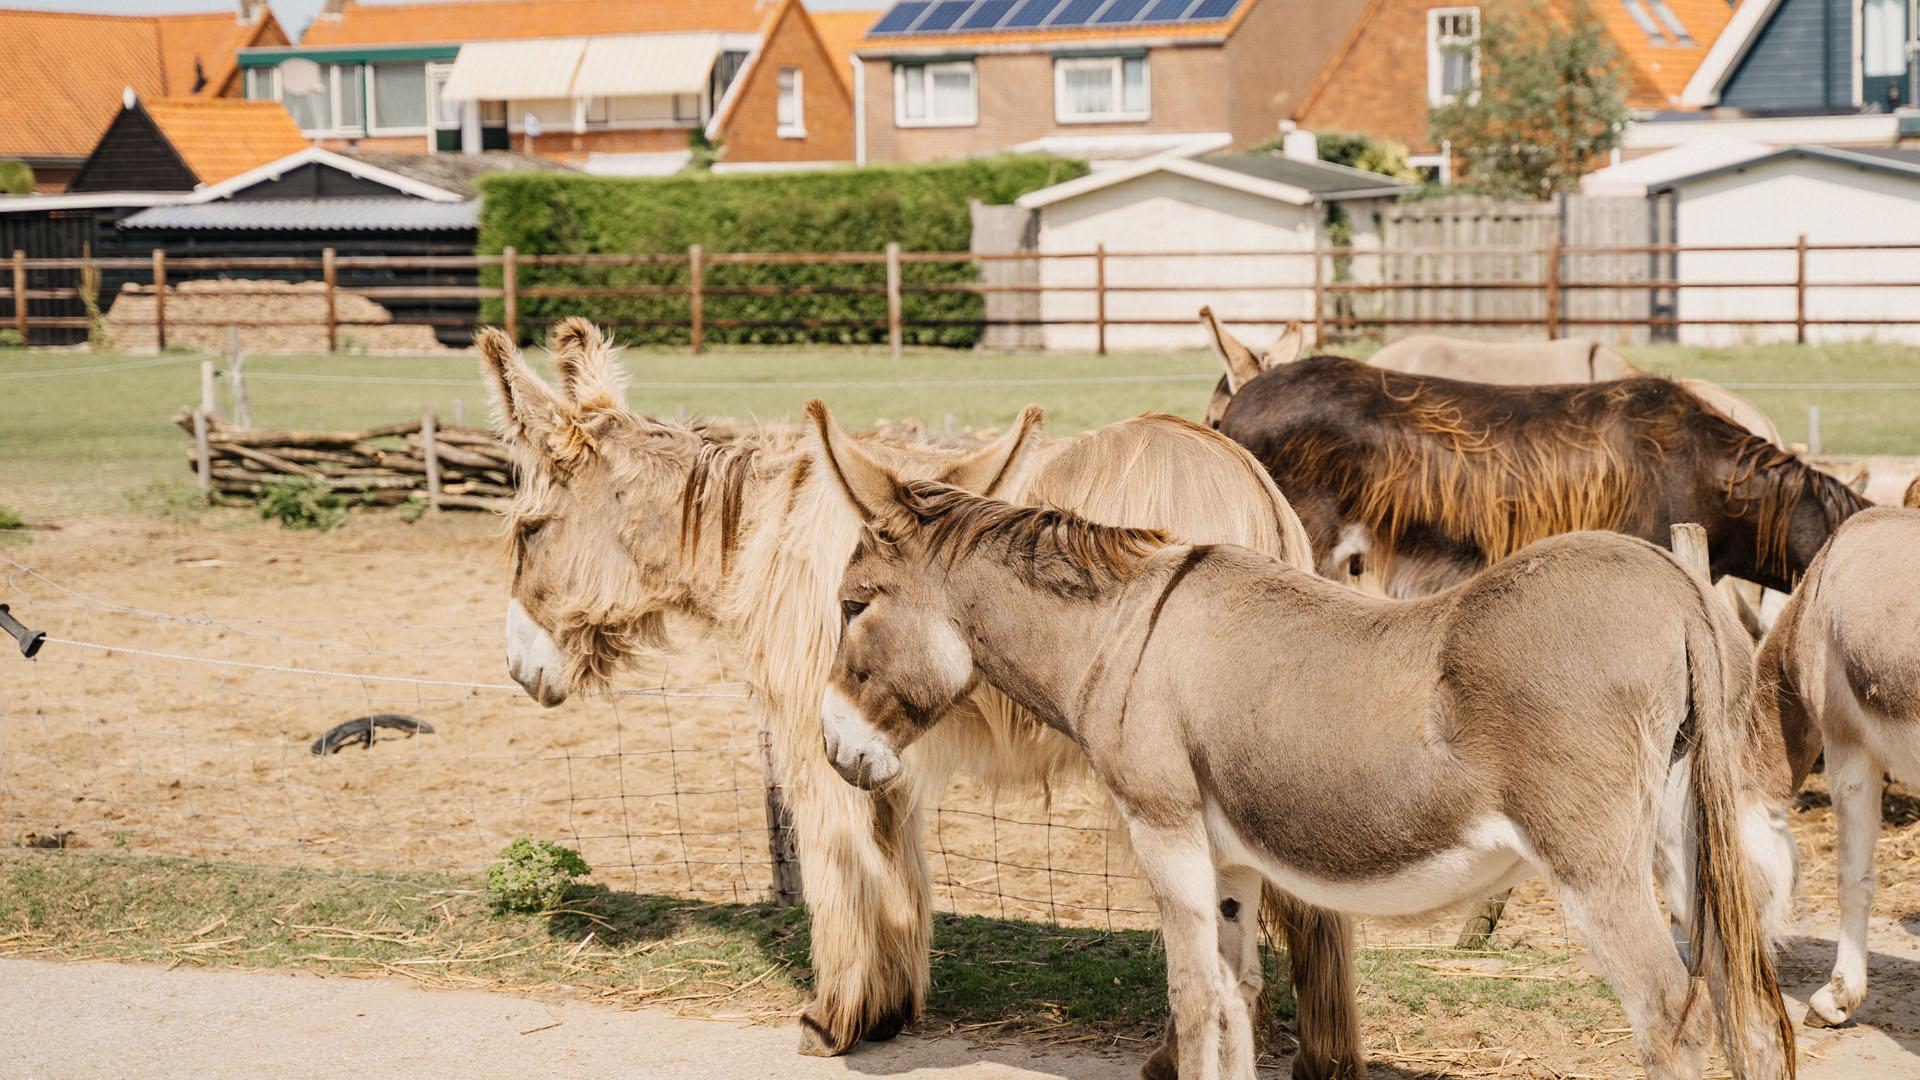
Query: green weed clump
[(533, 875), (302, 503)]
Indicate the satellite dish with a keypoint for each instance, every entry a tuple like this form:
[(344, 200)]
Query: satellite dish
[(531, 125), (300, 77)]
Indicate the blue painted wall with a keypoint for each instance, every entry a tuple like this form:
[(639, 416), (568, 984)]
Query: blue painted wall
[(1800, 61)]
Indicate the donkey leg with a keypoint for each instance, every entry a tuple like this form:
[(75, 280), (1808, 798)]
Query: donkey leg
[(1855, 778), (1628, 935), (1320, 963), (868, 895), (1177, 863), (1238, 928)]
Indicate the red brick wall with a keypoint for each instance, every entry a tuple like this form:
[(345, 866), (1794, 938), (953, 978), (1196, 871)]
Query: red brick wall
[(1273, 56), (1381, 86), (752, 129)]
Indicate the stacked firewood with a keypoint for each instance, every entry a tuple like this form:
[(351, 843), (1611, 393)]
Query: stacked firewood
[(382, 466)]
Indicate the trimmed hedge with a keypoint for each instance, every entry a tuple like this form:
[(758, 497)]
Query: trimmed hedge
[(851, 209)]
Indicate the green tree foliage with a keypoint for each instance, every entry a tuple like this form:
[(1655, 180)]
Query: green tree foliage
[(922, 207), (1549, 106), (1388, 157), (16, 177)]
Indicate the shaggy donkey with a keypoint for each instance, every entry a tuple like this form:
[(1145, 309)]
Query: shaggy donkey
[(1842, 668), (1435, 479), (620, 519), (1253, 721)]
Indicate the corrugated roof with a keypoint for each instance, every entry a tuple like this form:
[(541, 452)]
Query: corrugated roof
[(64, 72), (498, 20), (223, 137), (1319, 177), (313, 215)]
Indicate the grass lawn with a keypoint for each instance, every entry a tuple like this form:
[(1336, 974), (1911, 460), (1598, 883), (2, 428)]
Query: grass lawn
[(81, 430)]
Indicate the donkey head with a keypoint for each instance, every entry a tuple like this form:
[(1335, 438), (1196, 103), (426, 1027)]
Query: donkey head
[(901, 664), (593, 555), (1242, 364)]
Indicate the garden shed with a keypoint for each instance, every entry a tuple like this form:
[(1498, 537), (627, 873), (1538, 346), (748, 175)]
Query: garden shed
[(1183, 232)]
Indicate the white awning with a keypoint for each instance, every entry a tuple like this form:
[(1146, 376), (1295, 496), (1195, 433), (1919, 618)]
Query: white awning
[(644, 65), (526, 70)]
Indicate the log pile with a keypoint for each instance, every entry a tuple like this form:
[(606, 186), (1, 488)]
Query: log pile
[(382, 466)]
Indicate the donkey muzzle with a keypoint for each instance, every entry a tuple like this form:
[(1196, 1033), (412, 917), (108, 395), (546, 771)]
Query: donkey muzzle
[(856, 750)]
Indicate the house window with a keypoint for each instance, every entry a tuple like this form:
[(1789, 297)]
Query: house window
[(1883, 37), (399, 97), (1090, 89), (323, 99), (792, 118), (1453, 52), (446, 114), (934, 95)]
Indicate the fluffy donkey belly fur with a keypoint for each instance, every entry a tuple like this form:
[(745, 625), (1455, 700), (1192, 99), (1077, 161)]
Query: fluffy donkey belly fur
[(1491, 854)]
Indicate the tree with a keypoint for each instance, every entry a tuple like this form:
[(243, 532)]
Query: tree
[(1387, 157), (16, 177), (1549, 104)]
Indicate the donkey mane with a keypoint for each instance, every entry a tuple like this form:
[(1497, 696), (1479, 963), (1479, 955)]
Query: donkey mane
[(718, 475), (1775, 482), (957, 521)]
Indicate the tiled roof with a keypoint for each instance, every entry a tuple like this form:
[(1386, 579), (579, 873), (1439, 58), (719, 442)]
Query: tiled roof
[(1202, 31), (840, 32), (1659, 65), (325, 215), (223, 137), (64, 72), (498, 20)]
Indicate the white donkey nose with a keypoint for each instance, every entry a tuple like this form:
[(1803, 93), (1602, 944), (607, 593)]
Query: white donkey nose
[(533, 660), (860, 754)]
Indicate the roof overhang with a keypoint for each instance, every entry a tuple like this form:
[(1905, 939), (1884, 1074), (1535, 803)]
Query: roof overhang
[(93, 200), (314, 155), (1735, 40), (1830, 155), (1196, 170), (515, 70), (1855, 129), (269, 56)]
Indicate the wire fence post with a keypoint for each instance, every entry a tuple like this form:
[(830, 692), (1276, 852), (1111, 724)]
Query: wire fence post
[(1553, 289), (20, 294), (330, 279), (160, 299), (697, 298), (787, 888), (510, 292), (237, 378), (203, 457), (1319, 300), (208, 404), (1100, 298), (430, 449), (1800, 290), (893, 298)]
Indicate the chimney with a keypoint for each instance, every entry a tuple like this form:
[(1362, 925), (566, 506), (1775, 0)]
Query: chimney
[(1298, 145), (251, 10)]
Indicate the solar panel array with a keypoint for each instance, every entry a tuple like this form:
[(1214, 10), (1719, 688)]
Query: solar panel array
[(915, 17)]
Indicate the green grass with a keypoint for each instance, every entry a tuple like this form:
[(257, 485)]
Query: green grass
[(83, 430)]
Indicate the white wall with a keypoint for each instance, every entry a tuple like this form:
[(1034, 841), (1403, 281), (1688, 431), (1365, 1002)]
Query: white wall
[(1773, 204), (1163, 212)]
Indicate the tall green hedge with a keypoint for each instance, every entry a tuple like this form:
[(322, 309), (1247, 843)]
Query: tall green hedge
[(852, 209)]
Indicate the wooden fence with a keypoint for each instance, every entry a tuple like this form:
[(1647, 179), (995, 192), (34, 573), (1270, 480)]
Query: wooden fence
[(1536, 297)]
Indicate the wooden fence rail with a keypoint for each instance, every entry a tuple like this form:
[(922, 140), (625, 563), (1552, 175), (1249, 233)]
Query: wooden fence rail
[(1107, 284)]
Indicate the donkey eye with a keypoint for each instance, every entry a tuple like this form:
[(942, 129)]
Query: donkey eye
[(851, 608)]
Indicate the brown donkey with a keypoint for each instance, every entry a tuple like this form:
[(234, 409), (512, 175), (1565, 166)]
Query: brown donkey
[(620, 519), (1391, 758), (1841, 668)]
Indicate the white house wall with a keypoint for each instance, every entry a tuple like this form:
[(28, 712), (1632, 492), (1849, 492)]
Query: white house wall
[(1161, 212), (1775, 203)]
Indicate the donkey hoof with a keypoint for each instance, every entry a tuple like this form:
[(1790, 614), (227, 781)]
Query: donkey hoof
[(1824, 1009), (889, 1024), (817, 1041), (1161, 1064)]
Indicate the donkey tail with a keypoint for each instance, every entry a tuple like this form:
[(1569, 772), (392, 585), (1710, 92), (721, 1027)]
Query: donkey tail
[(1730, 946)]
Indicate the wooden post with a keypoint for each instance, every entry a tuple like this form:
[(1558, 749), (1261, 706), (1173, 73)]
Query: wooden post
[(1100, 298), (1480, 927), (510, 292), (697, 298), (893, 299), (1800, 291), (160, 299), (459, 412), (20, 294), (1319, 301), (202, 457), (237, 376), (1553, 289), (430, 446), (787, 889), (1690, 547), (207, 403), (330, 276), (1813, 429)]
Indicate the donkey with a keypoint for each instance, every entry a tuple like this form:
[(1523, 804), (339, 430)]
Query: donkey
[(620, 519), (1388, 758), (1431, 479), (1841, 668)]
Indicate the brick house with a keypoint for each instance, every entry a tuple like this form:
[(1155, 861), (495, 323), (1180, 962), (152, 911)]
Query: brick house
[(1100, 79), (65, 74), (793, 101), (1401, 58)]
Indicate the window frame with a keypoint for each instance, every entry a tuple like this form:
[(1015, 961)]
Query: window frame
[(1436, 49), (1118, 65), (374, 127), (798, 128), (334, 129), (925, 71)]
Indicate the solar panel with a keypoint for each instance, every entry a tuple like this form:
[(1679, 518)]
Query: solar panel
[(943, 16), (1166, 11), (988, 14), (1076, 13), (1121, 11), (1210, 10), (1031, 13), (900, 17)]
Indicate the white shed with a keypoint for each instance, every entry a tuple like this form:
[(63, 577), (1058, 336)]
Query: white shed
[(1208, 208), (1828, 195)]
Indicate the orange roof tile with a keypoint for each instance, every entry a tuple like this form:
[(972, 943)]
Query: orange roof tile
[(1658, 70), (65, 71), (503, 20), (1160, 31), (220, 138), (840, 32)]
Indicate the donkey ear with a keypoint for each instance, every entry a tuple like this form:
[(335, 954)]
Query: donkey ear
[(524, 409), (866, 482), (589, 375), (987, 470), (1859, 483), (1242, 366), (1912, 498), (1286, 350)]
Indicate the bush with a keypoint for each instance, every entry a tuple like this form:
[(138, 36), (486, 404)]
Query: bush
[(923, 207), (533, 875), (10, 518), (16, 178), (11, 339), (302, 503)]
